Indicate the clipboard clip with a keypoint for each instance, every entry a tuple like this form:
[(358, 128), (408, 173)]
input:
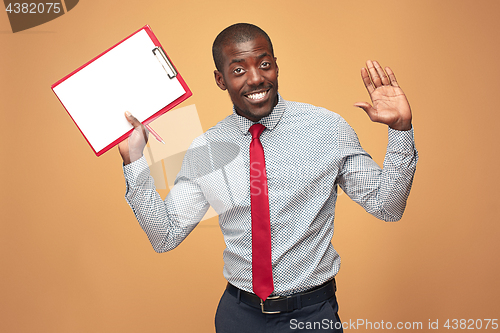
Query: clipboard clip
[(165, 62)]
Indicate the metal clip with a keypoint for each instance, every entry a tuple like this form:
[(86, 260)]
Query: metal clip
[(165, 62)]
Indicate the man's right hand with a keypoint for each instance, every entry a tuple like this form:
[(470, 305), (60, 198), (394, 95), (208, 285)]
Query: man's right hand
[(132, 148)]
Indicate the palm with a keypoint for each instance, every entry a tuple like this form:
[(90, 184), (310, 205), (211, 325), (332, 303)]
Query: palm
[(390, 105)]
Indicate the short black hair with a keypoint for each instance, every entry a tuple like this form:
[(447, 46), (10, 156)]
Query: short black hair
[(234, 34)]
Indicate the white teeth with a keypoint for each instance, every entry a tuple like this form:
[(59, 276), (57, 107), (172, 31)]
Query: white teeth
[(257, 95)]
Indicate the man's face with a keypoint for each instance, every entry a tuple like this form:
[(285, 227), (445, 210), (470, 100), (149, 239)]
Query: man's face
[(250, 75)]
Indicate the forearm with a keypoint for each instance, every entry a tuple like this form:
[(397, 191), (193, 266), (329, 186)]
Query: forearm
[(165, 228), (383, 192), (396, 178), (397, 174)]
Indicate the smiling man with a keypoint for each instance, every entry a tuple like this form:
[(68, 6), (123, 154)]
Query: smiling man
[(276, 195), (248, 70)]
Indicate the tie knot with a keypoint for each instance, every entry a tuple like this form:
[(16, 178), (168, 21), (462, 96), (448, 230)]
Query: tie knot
[(256, 130)]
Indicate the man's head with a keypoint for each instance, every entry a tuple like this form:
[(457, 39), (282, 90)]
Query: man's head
[(247, 69)]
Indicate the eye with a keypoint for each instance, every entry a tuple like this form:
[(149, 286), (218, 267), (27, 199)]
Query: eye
[(238, 70), (265, 64)]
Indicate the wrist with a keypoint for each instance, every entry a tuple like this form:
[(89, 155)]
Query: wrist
[(134, 157), (131, 157), (402, 126)]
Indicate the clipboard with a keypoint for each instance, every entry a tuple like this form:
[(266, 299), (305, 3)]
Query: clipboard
[(134, 75)]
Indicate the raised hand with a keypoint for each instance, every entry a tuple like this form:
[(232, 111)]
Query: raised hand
[(390, 105)]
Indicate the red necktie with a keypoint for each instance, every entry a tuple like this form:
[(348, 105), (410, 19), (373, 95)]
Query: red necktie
[(262, 273)]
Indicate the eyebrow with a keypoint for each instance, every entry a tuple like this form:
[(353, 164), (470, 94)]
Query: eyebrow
[(242, 60)]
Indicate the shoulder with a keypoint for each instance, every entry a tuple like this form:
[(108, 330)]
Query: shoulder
[(221, 131), (219, 144), (319, 123), (313, 114)]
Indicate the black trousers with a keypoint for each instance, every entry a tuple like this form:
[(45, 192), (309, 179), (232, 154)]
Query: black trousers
[(234, 316)]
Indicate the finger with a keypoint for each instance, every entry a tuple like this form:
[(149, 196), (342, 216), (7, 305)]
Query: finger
[(392, 77), (377, 82), (367, 81), (381, 73)]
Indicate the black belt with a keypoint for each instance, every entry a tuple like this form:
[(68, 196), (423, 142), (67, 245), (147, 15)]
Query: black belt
[(277, 304)]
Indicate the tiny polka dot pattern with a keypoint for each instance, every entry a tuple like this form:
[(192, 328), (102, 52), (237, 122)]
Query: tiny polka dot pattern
[(309, 152)]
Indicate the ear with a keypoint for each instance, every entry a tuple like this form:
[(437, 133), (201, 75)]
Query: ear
[(219, 79), (276, 62)]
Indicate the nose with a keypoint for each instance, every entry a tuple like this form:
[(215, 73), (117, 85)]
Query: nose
[(255, 77)]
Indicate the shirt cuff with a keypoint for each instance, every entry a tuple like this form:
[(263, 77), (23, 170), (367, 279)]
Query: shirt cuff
[(401, 141), (137, 172)]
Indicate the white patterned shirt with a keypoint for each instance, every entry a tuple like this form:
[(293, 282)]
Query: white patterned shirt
[(308, 151)]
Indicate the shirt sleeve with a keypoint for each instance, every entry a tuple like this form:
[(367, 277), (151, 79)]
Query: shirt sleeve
[(166, 222), (381, 192)]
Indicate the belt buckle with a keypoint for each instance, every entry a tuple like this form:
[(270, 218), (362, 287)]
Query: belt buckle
[(262, 305)]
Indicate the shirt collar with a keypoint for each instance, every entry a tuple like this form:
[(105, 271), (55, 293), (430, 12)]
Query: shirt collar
[(270, 121)]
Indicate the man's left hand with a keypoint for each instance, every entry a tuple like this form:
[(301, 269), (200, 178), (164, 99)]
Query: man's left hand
[(390, 105)]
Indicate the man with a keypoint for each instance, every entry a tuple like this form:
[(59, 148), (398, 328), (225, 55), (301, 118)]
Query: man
[(271, 171)]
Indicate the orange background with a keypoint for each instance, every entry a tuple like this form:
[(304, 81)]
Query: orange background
[(74, 259)]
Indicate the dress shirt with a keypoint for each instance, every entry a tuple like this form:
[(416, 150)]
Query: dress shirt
[(309, 151)]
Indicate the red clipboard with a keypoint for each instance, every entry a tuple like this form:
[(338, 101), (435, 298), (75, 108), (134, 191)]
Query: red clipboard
[(163, 60)]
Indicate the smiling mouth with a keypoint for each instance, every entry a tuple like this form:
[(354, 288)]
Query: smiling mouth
[(257, 96)]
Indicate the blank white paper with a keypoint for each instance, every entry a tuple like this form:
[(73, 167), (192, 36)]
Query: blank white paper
[(127, 78)]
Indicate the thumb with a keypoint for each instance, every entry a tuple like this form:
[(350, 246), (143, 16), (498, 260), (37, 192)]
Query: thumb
[(132, 120), (370, 111), (138, 126)]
